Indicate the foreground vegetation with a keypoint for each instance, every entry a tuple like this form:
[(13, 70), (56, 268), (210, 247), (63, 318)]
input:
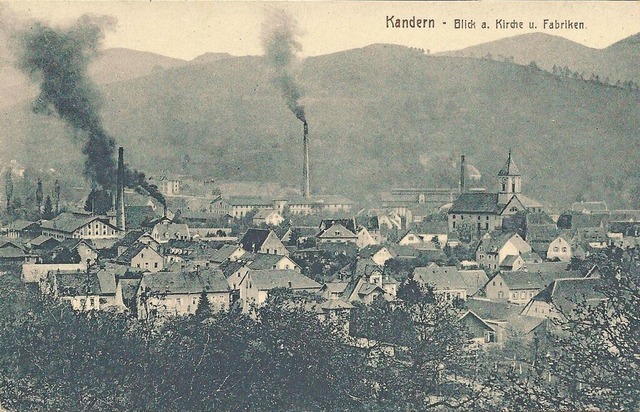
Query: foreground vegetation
[(416, 356)]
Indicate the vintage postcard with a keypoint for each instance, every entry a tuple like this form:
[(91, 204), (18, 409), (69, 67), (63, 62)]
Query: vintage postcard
[(327, 206)]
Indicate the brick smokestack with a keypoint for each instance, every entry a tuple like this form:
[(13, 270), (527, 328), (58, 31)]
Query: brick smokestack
[(120, 191), (306, 191), (462, 184)]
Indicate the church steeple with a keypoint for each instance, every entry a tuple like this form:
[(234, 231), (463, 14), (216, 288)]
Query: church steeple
[(509, 180)]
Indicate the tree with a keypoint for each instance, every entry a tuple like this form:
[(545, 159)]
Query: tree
[(591, 362), (47, 212), (204, 309), (418, 356), (56, 196), (39, 197), (8, 188)]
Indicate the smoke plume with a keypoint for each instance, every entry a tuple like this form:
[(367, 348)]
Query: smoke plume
[(280, 47), (58, 59)]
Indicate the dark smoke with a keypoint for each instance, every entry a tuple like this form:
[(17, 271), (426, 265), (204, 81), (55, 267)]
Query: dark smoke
[(280, 46), (58, 59), (138, 181)]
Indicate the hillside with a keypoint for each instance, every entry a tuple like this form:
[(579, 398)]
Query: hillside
[(112, 65), (379, 117), (620, 61)]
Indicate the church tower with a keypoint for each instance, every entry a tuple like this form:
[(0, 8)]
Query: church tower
[(509, 181)]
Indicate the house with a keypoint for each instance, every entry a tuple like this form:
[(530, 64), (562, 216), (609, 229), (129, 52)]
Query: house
[(170, 293), (495, 247), (449, 281), (263, 241), (235, 271), (170, 187), (84, 290), (225, 253), (368, 282), (132, 237), (337, 233), (23, 229), (73, 226), (299, 235), (561, 296), (501, 316), (560, 249), (43, 243), (512, 262), (268, 217), (480, 332), (142, 256), (481, 212), (255, 287), (238, 207), (364, 238), (165, 230), (379, 254), (520, 286), (12, 251), (73, 251)]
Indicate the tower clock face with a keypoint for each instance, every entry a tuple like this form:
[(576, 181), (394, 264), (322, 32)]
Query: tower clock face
[(505, 180)]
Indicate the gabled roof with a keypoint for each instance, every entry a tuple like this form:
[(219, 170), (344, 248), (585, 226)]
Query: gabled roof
[(337, 231), (491, 310), (349, 224), (79, 283), (42, 239), (509, 261), (527, 202), (286, 278), (509, 168), (445, 277), (254, 238), (186, 282), (131, 237), (565, 293), (486, 203), (133, 251), (20, 224), (217, 255), (531, 279), (335, 286), (70, 222), (230, 267)]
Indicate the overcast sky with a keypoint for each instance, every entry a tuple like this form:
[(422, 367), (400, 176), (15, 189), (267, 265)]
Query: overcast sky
[(188, 29)]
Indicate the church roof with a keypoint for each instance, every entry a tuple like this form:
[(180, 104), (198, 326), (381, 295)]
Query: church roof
[(476, 203), (509, 168)]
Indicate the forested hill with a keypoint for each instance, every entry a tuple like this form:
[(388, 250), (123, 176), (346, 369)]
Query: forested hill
[(379, 117)]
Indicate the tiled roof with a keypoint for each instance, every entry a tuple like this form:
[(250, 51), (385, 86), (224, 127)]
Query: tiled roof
[(133, 251), (40, 240), (337, 231), (261, 261), (216, 255), (264, 213), (565, 293), (78, 283), (270, 279), (22, 225), (349, 224), (253, 239), (248, 201), (476, 203), (490, 310), (69, 222), (191, 282)]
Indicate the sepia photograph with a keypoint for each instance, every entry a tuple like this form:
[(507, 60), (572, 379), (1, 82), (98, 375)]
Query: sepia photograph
[(319, 206)]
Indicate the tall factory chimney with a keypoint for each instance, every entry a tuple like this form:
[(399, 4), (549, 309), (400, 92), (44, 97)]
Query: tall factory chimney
[(462, 185), (306, 192), (120, 191)]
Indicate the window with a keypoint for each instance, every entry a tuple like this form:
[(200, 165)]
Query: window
[(494, 283), (564, 249), (555, 249), (523, 295), (155, 265)]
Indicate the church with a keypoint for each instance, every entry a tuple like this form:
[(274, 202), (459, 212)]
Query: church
[(484, 212)]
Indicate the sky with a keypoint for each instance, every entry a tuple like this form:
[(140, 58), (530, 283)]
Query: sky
[(187, 29)]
